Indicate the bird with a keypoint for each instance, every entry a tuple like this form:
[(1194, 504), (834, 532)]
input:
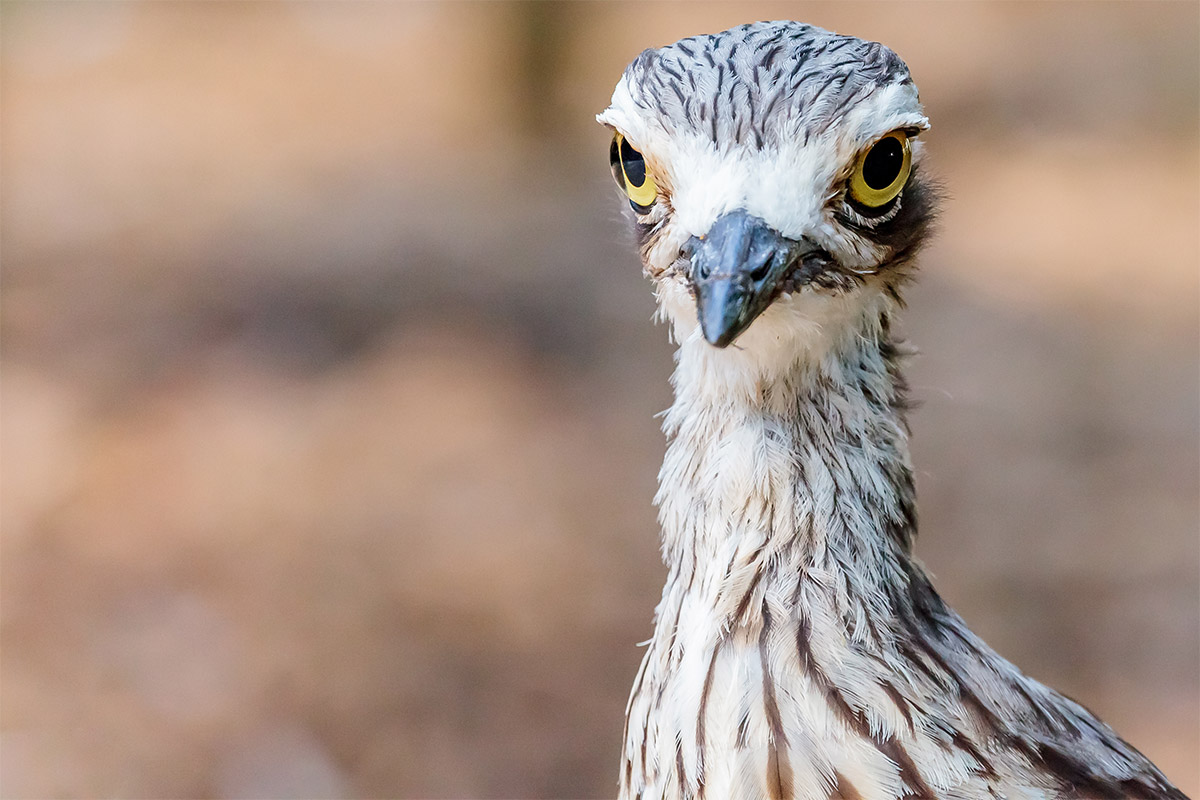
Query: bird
[(774, 177)]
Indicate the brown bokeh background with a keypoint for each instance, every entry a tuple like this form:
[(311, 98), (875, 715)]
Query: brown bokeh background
[(328, 383)]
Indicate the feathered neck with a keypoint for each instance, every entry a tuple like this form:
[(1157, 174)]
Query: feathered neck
[(791, 473), (799, 651)]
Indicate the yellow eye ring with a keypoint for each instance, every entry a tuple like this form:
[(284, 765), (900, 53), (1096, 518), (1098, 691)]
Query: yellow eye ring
[(881, 171), (630, 172)]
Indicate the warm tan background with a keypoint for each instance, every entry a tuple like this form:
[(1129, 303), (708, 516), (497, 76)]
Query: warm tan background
[(329, 380)]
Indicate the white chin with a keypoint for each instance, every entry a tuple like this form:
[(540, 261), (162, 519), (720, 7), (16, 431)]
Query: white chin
[(803, 325)]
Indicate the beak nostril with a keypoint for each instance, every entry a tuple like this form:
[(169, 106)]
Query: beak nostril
[(760, 272), (690, 250)]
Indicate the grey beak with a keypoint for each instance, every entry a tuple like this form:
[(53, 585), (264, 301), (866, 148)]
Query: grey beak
[(737, 269)]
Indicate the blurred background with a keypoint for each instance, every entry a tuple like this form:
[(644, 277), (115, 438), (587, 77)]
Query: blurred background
[(328, 383)]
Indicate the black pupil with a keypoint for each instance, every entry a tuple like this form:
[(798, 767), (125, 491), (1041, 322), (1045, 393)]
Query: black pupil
[(633, 163), (882, 165), (614, 161)]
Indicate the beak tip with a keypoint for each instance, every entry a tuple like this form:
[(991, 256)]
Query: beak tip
[(718, 338), (720, 307), (717, 324)]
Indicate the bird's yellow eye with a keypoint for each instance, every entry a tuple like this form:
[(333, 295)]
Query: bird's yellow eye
[(881, 171), (629, 171)]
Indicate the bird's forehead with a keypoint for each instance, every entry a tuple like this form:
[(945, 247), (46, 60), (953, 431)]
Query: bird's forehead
[(758, 85)]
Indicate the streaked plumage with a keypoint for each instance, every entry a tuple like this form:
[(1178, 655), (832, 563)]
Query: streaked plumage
[(799, 648)]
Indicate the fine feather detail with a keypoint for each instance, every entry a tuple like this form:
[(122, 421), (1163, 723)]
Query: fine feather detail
[(799, 649)]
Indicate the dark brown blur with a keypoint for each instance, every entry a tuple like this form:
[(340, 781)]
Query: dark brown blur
[(329, 382)]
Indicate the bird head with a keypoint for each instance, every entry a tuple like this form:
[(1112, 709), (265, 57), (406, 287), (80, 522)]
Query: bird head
[(773, 175)]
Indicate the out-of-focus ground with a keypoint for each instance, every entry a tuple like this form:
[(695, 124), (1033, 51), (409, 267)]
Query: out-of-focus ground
[(328, 383)]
